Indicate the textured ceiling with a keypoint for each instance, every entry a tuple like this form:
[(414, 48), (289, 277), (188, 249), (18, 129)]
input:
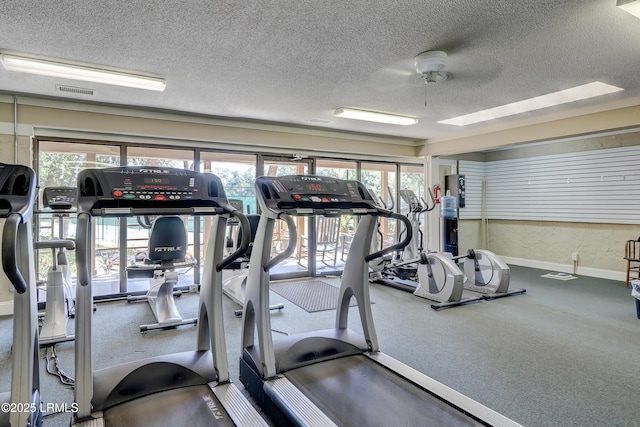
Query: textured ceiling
[(295, 61)]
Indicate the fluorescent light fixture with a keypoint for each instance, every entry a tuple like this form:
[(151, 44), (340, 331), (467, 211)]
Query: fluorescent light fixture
[(589, 90), (80, 72), (631, 6), (374, 116)]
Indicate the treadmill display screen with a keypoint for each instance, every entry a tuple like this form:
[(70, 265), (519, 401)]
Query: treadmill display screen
[(315, 187), (313, 192), (312, 185), (148, 187), (153, 183), (156, 180)]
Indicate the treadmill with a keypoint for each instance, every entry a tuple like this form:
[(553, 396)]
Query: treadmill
[(17, 195), (187, 388), (336, 377)]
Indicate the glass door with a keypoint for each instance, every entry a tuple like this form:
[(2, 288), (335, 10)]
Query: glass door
[(237, 171), (334, 235), (302, 262), (380, 179)]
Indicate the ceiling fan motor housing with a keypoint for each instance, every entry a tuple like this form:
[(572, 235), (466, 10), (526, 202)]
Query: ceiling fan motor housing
[(430, 66)]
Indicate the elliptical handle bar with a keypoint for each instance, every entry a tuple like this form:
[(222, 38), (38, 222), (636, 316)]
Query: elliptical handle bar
[(9, 260), (291, 246), (244, 244), (433, 202), (392, 205), (405, 242)]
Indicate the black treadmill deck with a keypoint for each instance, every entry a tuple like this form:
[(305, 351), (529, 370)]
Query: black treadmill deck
[(193, 406), (357, 391)]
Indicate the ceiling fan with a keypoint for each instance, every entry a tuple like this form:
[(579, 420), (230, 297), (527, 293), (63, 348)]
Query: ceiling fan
[(432, 67), (429, 68)]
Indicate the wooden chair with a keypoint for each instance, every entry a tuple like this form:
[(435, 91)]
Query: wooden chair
[(327, 239), (632, 255)]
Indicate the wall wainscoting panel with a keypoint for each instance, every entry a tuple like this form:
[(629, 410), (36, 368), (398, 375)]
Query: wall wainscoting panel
[(598, 186)]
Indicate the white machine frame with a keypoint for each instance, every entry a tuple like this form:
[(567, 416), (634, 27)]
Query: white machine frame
[(19, 182), (139, 383), (58, 295)]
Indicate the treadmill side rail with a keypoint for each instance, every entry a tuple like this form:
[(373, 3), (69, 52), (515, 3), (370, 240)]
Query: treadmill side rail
[(95, 422), (237, 406), (298, 406), (466, 404)]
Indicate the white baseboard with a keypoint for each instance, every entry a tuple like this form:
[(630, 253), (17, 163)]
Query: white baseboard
[(6, 308), (567, 268)]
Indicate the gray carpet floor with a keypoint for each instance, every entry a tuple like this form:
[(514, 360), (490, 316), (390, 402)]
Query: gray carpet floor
[(566, 353)]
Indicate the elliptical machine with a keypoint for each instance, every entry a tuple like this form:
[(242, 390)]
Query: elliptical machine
[(437, 276), (59, 300), (403, 271), (485, 273), (488, 274), (399, 269)]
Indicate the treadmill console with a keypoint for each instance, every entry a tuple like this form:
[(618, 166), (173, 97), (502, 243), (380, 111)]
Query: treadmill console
[(128, 189), (310, 194), (17, 189), (59, 198)]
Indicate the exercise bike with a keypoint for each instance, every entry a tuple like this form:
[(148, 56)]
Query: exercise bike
[(167, 252), (61, 202)]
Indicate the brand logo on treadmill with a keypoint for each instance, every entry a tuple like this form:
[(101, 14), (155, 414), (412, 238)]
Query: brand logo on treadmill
[(311, 178), (168, 248), (213, 407), (155, 171)]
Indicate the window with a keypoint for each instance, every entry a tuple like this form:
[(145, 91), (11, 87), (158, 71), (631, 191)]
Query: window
[(118, 241), (58, 166)]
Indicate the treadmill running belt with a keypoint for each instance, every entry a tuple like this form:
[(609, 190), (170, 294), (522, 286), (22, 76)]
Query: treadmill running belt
[(357, 391), (195, 406)]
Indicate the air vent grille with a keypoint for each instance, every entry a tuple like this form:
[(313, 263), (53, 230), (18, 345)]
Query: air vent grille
[(75, 90)]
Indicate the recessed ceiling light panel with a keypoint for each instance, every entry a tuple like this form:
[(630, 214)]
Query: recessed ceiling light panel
[(630, 6), (573, 94), (375, 116)]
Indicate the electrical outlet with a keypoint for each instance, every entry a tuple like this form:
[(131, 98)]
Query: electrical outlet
[(574, 256)]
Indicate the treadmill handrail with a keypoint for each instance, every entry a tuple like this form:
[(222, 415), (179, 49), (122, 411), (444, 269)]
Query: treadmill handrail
[(291, 246), (400, 245), (244, 243), (9, 260), (170, 210), (82, 264)]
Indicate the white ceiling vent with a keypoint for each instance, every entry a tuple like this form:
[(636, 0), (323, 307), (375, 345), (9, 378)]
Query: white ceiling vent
[(75, 90)]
